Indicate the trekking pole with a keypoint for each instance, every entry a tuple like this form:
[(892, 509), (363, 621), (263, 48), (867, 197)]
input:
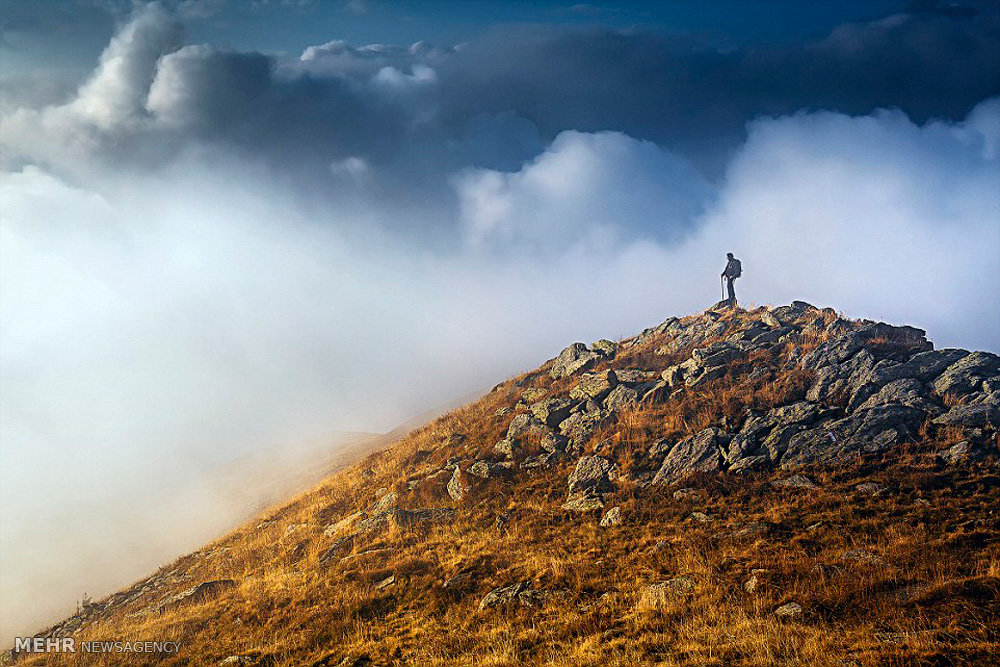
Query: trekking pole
[(722, 286)]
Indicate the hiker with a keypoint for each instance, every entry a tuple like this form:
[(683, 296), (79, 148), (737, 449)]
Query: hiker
[(733, 271)]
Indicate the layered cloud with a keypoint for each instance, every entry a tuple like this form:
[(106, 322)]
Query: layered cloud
[(204, 251)]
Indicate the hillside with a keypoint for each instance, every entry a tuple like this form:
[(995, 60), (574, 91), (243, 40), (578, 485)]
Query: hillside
[(776, 486)]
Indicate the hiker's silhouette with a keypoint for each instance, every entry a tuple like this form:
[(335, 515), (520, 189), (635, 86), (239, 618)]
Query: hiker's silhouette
[(732, 271)]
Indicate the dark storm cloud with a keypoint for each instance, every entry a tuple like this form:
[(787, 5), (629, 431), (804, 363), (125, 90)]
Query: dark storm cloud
[(379, 102)]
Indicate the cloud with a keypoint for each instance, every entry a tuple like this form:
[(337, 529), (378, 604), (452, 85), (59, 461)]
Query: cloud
[(585, 188)]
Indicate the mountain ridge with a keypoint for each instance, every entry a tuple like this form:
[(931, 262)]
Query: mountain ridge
[(620, 501)]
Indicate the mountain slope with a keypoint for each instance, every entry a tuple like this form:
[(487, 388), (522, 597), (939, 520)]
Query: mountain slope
[(738, 487)]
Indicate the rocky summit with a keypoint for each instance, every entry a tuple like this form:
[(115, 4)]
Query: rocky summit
[(739, 487)]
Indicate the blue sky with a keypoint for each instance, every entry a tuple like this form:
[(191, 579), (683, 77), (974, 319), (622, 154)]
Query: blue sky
[(72, 33)]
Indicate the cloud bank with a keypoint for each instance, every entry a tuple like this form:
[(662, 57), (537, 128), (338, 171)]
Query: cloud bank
[(204, 252)]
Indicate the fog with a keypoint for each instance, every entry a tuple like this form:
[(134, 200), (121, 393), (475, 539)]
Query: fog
[(187, 276)]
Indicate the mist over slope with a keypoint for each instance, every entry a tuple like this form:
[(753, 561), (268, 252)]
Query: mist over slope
[(205, 251), (725, 487)]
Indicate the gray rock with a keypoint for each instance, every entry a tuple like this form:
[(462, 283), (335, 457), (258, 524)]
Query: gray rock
[(836, 381), (552, 411), (788, 610), (698, 453), (795, 482), (840, 349), (613, 517), (906, 391), (717, 354), (583, 502), (579, 426), (673, 376), (621, 397), (705, 375), (634, 376), (686, 493), (973, 415), (592, 474), (605, 347), (700, 517), (507, 447), (748, 464), (958, 453), (657, 393), (864, 432), (508, 595), (870, 488), (965, 375), (670, 325), (771, 320), (802, 412), (457, 486), (203, 591), (524, 424), (573, 359), (538, 461), (488, 470), (594, 386)]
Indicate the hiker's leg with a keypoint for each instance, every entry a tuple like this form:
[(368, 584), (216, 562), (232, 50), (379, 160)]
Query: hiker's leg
[(732, 292)]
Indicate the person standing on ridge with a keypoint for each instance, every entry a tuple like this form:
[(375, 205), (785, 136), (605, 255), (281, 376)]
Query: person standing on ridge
[(732, 271)]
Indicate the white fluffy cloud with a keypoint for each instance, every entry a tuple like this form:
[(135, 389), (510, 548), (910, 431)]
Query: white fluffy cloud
[(590, 188)]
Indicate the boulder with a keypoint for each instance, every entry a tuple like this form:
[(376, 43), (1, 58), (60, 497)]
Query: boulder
[(203, 591), (841, 348), (524, 424), (457, 486), (594, 386), (972, 415), (580, 425), (795, 482), (507, 447), (905, 391), (965, 375), (803, 412), (573, 359), (788, 610), (613, 517), (488, 470), (716, 354), (552, 411), (605, 348), (506, 595), (621, 397), (864, 432), (592, 474), (697, 453), (583, 502)]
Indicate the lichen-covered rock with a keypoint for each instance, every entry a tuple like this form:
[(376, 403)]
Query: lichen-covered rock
[(574, 359), (552, 411), (967, 374), (457, 485), (864, 432), (592, 474), (697, 453), (594, 386), (621, 397), (613, 517)]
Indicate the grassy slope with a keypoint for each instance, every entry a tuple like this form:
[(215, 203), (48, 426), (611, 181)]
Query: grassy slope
[(933, 597)]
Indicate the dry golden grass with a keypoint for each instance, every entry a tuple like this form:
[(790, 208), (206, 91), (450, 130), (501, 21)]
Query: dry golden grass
[(928, 595)]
